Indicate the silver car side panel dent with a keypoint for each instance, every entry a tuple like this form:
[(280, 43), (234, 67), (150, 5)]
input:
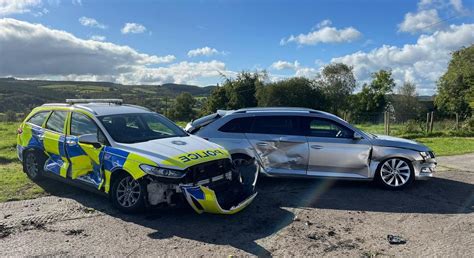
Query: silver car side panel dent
[(280, 154)]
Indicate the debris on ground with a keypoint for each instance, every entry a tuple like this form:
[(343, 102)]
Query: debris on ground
[(89, 210), (4, 231), (73, 232), (396, 240)]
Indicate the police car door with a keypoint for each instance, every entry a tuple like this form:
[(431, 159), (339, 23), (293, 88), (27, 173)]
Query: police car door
[(53, 142), (85, 158)]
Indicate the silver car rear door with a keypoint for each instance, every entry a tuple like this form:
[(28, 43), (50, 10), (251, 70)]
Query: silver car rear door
[(279, 144), (333, 150)]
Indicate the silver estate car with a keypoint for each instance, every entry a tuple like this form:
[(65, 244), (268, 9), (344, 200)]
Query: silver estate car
[(288, 142)]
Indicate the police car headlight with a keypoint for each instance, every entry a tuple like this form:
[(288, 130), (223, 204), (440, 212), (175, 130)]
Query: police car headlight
[(162, 172)]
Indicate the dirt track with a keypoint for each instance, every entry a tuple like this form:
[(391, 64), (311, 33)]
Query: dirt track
[(289, 217)]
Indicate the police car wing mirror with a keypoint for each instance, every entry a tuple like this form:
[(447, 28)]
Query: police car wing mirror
[(90, 139)]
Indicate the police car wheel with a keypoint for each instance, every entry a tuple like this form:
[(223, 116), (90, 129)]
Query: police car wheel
[(128, 194), (33, 164)]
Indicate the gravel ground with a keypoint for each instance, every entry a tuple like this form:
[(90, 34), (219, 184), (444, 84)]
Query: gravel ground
[(289, 217)]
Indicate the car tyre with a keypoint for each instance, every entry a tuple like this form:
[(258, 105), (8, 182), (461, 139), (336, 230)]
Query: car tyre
[(128, 194), (33, 164), (395, 174)]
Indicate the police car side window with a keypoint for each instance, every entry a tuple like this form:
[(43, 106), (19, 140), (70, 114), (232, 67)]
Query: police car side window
[(38, 118), (56, 121), (81, 124)]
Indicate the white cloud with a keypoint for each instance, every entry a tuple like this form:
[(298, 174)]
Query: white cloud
[(37, 52), (77, 2), (98, 37), (182, 72), (427, 19), (91, 22), (33, 49), (457, 5), (205, 51), (324, 34), (423, 21), (133, 28), (300, 71), (282, 65), (8, 7), (422, 63)]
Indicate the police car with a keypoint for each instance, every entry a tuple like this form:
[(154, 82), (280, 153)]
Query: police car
[(137, 157)]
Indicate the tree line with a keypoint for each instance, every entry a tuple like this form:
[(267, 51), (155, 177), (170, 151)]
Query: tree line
[(333, 90)]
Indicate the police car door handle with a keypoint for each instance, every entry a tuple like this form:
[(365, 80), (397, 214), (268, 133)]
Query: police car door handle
[(262, 144), (317, 147), (71, 143)]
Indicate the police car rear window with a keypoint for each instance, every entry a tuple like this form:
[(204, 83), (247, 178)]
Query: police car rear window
[(56, 121), (38, 118)]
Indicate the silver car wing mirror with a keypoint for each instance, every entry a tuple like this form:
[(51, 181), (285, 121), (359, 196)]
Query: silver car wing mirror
[(357, 136)]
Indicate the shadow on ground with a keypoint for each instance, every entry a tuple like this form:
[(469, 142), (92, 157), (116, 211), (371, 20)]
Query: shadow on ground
[(267, 214)]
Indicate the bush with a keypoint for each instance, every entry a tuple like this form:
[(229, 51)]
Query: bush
[(10, 116), (468, 125), (412, 127)]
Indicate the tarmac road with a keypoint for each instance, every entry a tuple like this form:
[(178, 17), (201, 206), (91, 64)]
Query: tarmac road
[(288, 217)]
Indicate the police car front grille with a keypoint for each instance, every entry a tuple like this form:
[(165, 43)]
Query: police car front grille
[(208, 170)]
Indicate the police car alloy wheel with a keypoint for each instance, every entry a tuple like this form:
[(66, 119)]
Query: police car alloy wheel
[(33, 165), (128, 194)]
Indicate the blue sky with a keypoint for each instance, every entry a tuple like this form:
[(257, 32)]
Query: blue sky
[(196, 41)]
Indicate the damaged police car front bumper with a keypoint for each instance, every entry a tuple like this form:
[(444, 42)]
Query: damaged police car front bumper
[(213, 187)]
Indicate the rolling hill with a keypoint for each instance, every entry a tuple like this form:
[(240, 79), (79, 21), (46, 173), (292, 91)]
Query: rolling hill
[(23, 95)]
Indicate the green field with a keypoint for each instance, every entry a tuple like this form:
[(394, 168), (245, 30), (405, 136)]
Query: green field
[(15, 185)]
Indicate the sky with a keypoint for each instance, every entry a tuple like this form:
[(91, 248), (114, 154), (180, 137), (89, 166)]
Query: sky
[(199, 42)]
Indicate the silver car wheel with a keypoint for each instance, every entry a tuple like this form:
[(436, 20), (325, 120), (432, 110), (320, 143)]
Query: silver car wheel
[(395, 172), (128, 192), (239, 162), (31, 165)]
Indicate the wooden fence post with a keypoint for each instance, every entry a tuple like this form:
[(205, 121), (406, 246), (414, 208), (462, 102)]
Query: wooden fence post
[(388, 122), (428, 122), (432, 121)]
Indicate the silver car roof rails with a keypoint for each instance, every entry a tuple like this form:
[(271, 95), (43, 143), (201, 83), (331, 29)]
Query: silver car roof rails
[(86, 101)]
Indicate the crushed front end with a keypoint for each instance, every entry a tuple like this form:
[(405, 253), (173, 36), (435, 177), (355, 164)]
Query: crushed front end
[(214, 187)]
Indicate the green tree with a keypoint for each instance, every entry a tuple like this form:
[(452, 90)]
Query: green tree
[(217, 100), (236, 92), (241, 90), (337, 82), (182, 109), (373, 97), (405, 103), (292, 92), (456, 86)]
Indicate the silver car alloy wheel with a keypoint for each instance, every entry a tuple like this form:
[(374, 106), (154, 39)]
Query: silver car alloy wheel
[(128, 192), (395, 172), (31, 165)]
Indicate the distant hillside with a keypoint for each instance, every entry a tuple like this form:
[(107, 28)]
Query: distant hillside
[(22, 95)]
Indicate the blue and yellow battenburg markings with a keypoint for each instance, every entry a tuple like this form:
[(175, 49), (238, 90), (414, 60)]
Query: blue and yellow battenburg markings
[(207, 199)]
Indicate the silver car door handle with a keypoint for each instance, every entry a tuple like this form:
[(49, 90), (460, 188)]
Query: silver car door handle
[(262, 144), (317, 147)]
